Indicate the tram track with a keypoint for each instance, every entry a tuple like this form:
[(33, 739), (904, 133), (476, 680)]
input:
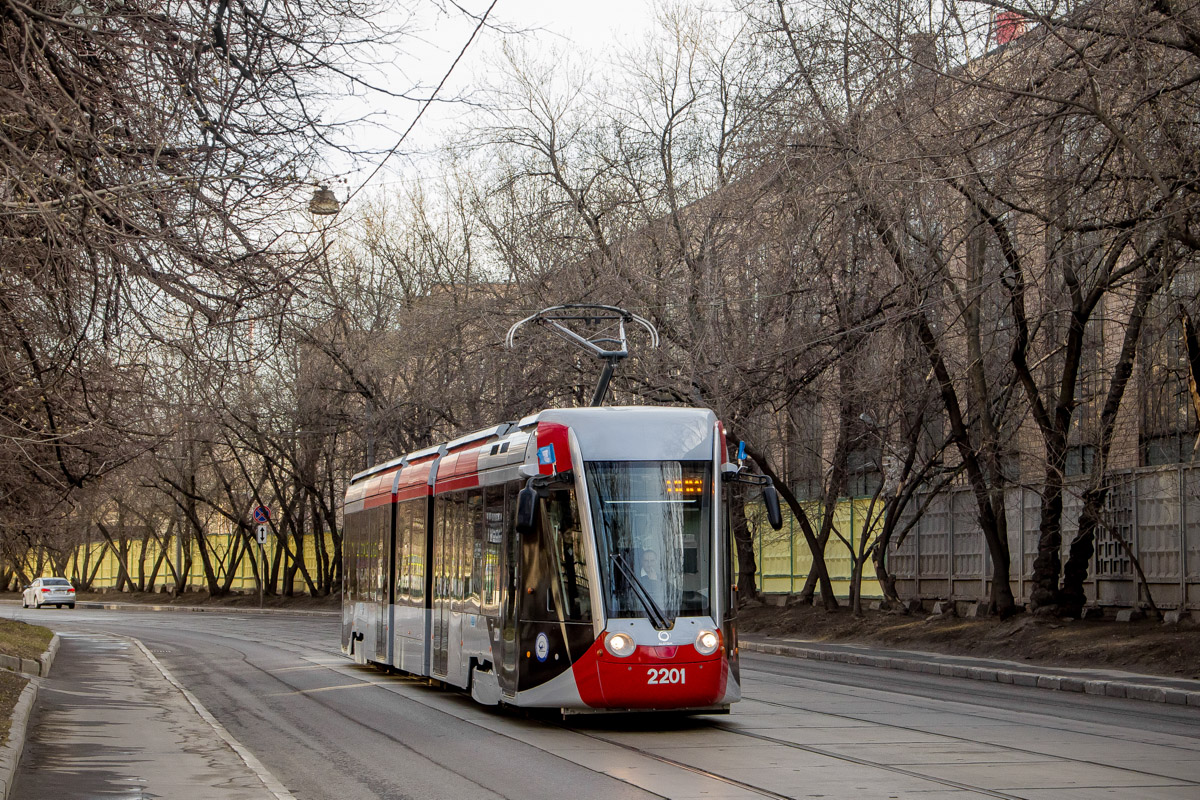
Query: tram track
[(314, 651), (925, 731), (917, 700), (764, 792)]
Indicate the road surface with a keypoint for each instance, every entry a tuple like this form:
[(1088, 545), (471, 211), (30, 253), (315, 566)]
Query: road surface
[(325, 728)]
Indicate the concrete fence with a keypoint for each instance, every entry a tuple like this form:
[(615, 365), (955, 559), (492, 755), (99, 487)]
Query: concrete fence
[(1156, 510)]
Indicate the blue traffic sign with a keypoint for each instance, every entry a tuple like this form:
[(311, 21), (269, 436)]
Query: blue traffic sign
[(262, 514)]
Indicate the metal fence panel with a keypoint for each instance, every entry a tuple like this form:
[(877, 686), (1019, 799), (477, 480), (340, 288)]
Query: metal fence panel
[(1158, 520), (1112, 560), (1191, 498), (1031, 520), (934, 560), (968, 538), (902, 555)]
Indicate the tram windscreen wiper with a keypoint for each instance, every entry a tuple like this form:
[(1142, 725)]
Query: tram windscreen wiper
[(657, 617)]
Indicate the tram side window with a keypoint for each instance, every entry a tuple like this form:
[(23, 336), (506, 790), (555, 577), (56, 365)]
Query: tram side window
[(381, 519), (729, 568), (462, 534), (473, 549), (350, 547), (451, 546), (441, 524), (493, 541), (417, 555), (402, 550), (566, 534)]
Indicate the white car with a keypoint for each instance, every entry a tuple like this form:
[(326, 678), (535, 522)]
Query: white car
[(47, 591)]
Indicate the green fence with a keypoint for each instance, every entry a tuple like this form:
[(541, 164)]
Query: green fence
[(107, 571), (784, 560)]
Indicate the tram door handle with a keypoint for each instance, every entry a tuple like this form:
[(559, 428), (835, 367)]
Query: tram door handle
[(549, 601)]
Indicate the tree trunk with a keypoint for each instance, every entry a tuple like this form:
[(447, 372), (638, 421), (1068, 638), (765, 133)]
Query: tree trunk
[(1072, 597)]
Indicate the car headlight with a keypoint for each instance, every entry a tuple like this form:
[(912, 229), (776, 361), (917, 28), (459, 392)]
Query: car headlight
[(707, 642), (620, 644)]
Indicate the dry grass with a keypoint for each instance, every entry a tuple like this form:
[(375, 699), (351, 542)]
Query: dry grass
[(11, 686), (22, 640), (1147, 646)]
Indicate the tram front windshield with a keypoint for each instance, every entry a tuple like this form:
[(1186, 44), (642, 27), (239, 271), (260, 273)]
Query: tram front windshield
[(653, 522)]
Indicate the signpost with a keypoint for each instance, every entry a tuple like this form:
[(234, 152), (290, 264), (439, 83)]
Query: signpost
[(261, 515)]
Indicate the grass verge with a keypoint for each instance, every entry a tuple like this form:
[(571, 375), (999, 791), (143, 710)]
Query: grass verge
[(23, 641)]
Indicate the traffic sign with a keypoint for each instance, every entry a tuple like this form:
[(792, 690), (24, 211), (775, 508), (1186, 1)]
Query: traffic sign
[(260, 533), (262, 514)]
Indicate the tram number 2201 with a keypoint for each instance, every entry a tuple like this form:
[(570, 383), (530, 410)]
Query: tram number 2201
[(660, 675)]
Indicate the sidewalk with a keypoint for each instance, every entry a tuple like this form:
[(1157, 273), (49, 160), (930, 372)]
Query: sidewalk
[(111, 720), (1112, 683)]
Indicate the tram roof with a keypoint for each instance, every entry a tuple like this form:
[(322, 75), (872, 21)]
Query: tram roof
[(605, 433), (637, 433)]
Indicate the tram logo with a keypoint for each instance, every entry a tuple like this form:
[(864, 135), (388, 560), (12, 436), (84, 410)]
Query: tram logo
[(541, 647), (546, 454)]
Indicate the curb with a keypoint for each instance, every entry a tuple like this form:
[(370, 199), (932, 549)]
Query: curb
[(991, 673), (205, 609), (10, 753), (33, 667), (269, 781)]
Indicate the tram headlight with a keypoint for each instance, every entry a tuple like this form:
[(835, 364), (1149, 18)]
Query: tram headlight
[(620, 644), (707, 643)]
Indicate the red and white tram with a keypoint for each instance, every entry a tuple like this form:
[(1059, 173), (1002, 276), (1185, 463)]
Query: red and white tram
[(579, 559)]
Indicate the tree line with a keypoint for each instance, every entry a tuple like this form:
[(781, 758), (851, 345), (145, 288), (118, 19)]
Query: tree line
[(897, 248)]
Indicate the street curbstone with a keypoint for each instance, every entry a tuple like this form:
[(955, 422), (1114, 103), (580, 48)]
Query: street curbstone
[(1152, 694), (1146, 692), (47, 658), (10, 753)]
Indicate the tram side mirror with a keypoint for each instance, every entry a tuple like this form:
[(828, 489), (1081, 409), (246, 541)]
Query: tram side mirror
[(736, 474), (771, 501), (527, 501)]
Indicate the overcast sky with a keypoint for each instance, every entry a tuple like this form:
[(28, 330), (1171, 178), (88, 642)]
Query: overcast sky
[(594, 27)]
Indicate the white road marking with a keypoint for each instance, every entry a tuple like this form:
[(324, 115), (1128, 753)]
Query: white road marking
[(273, 786)]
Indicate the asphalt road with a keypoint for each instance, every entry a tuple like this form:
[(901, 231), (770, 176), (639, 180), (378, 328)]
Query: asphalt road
[(326, 728)]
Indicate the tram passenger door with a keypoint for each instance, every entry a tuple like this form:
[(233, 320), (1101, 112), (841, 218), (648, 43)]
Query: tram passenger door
[(508, 645), (440, 605)]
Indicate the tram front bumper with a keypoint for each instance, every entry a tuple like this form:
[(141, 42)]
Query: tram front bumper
[(652, 678)]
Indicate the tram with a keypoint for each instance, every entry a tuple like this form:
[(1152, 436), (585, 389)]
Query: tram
[(578, 559)]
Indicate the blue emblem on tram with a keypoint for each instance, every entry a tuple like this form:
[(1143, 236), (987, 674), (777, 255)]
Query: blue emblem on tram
[(546, 454)]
